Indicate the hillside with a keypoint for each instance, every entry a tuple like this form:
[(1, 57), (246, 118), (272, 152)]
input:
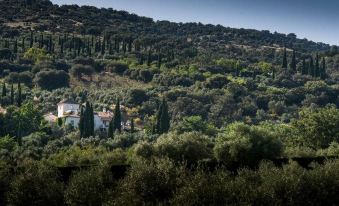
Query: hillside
[(187, 40)]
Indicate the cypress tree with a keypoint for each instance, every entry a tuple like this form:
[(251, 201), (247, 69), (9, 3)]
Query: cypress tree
[(19, 100), (81, 122), (317, 68), (311, 67), (62, 46), (23, 45), (103, 47), (284, 63), (110, 129), (4, 91), (323, 68), (163, 121), (304, 67), (91, 121), (159, 61), (15, 49), (132, 125), (12, 94), (41, 45), (31, 40), (149, 58), (294, 63), (86, 121), (117, 117)]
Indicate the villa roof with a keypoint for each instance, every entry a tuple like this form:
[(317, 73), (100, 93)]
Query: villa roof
[(105, 116), (68, 101)]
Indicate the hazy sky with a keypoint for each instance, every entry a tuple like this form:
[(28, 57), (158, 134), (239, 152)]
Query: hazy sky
[(312, 19)]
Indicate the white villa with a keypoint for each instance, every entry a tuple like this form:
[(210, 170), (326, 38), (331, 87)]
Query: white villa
[(69, 111)]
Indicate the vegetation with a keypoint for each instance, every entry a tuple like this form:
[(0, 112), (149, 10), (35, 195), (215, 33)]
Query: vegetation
[(201, 114)]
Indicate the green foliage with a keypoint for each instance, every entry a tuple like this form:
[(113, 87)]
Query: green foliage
[(163, 119), (246, 145), (37, 55), (187, 147), (37, 185), (318, 127), (196, 123), (88, 187)]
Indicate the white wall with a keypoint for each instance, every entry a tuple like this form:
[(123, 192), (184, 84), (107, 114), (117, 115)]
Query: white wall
[(62, 108), (74, 121)]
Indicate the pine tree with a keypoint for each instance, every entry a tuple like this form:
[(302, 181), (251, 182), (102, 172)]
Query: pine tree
[(284, 63), (294, 63), (19, 100), (12, 94), (117, 117), (163, 120)]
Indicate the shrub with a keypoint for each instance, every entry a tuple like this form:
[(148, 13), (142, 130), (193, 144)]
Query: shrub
[(52, 79), (189, 147), (89, 187), (246, 145), (36, 185), (320, 127)]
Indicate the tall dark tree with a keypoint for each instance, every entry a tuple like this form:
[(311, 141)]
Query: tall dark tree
[(86, 123), (132, 125), (81, 122), (317, 67), (149, 58), (23, 44), (304, 67), (284, 63), (311, 67), (163, 120), (15, 49), (159, 60), (117, 117), (323, 69), (293, 63), (4, 90), (19, 97), (31, 40), (110, 129), (12, 94), (91, 121)]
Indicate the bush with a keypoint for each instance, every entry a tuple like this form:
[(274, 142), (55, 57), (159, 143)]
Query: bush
[(78, 70), (89, 187), (148, 183), (319, 128), (52, 79), (117, 68), (36, 185), (246, 145), (189, 147)]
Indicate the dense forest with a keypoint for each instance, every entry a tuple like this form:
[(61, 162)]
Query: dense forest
[(216, 115)]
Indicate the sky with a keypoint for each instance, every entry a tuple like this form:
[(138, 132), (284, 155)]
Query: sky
[(315, 20)]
